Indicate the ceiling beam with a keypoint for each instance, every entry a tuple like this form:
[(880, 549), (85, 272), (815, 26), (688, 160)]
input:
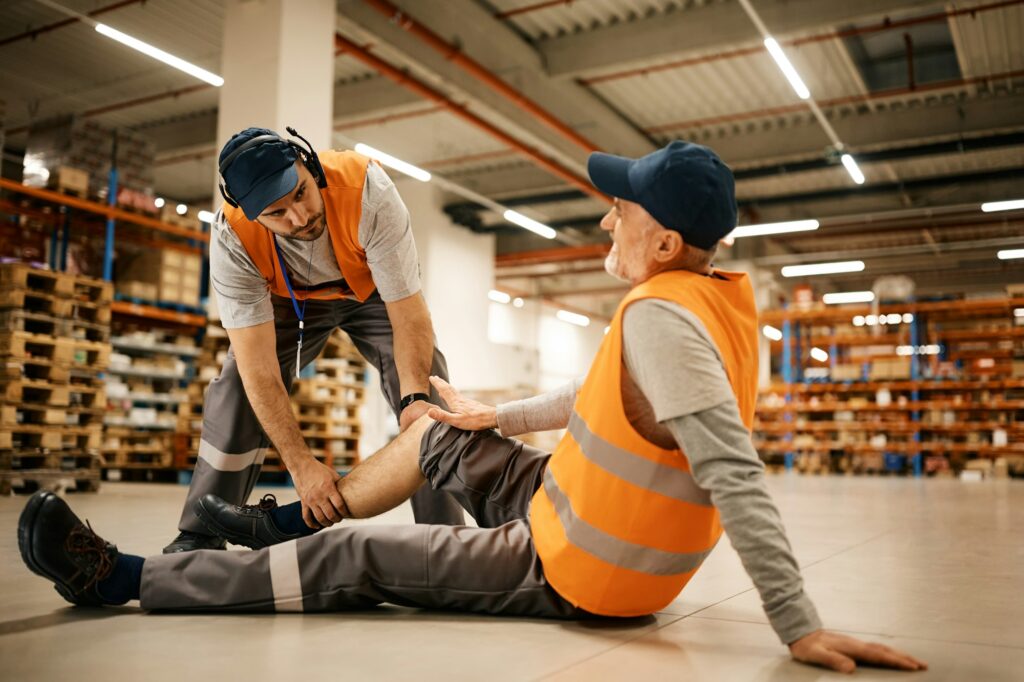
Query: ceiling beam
[(498, 48), (697, 30)]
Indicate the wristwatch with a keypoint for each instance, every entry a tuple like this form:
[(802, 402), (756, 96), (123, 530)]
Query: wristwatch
[(411, 398)]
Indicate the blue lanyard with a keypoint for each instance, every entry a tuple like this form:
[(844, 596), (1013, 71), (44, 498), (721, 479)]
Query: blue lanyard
[(298, 313)]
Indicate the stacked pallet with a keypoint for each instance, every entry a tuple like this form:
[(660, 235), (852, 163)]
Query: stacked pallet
[(325, 401), (146, 385), (53, 347)]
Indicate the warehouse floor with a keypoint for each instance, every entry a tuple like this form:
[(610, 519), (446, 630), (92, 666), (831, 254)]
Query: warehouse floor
[(933, 566)]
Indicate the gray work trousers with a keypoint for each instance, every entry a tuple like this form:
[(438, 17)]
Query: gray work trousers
[(232, 445), (492, 569)]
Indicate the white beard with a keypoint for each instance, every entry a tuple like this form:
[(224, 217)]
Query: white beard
[(613, 266)]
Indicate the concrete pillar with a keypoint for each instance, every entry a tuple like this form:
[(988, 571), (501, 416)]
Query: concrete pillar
[(278, 68)]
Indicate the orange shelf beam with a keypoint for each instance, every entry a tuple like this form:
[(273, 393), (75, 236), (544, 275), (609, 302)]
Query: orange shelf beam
[(992, 305), (104, 210), (154, 313)]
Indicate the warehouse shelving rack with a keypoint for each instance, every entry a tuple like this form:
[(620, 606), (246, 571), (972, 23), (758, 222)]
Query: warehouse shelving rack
[(979, 403)]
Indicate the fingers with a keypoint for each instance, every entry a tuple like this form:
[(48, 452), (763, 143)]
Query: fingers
[(307, 516), (443, 388), (339, 503), (881, 655)]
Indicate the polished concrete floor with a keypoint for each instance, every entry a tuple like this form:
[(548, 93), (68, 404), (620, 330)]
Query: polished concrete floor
[(932, 566)]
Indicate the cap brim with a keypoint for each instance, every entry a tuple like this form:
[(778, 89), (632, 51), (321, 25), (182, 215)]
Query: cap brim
[(268, 191), (610, 174)]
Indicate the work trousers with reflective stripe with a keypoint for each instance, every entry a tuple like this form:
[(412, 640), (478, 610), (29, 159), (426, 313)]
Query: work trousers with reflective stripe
[(491, 569), (232, 445)]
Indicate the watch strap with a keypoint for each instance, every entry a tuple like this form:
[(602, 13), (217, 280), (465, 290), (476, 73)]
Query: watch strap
[(411, 398)]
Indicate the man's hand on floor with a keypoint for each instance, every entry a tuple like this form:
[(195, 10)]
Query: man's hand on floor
[(842, 653), (463, 413)]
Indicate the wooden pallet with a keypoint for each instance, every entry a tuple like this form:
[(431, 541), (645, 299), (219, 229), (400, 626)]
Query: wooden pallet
[(31, 391), (35, 369), (87, 311), (80, 330), (39, 437), (35, 301), (327, 390), (28, 413), (16, 460), (29, 480), (16, 320), (23, 276), (128, 458), (23, 345), (92, 355), (92, 290)]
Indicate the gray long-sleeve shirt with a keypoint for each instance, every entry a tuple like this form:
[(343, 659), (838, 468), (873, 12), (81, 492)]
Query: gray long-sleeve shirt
[(676, 366)]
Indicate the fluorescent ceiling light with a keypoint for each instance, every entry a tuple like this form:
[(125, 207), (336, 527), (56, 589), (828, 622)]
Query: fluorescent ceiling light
[(819, 355), (774, 228), (518, 302), (871, 320), (908, 317), (1018, 312), (894, 318), (181, 209), (157, 53), (771, 332), (498, 296), (993, 206), (573, 318), (858, 320), (822, 268), (787, 68), (392, 162), (206, 216), (852, 168), (159, 203), (517, 218), (1010, 254), (849, 297), (931, 349), (608, 329)]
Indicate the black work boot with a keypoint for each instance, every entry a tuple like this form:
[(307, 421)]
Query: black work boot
[(249, 525), (188, 541), (56, 545)]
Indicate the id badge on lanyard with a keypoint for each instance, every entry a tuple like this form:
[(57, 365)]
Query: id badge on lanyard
[(295, 304)]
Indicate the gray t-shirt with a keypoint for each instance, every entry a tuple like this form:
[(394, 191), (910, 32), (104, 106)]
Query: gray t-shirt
[(385, 234), (673, 360)]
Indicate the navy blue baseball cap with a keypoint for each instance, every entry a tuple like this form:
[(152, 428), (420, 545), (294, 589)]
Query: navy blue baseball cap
[(685, 186), (260, 174)]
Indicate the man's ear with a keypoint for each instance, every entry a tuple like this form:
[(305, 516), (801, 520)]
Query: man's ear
[(670, 246)]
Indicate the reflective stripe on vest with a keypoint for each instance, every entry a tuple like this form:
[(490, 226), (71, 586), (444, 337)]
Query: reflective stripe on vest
[(610, 548), (619, 523)]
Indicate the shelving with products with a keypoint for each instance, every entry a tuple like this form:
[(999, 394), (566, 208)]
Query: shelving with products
[(929, 388)]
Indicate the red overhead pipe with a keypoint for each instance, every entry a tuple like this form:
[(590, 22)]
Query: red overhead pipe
[(884, 25), (343, 44), (36, 32), (826, 103), (478, 71), (531, 8)]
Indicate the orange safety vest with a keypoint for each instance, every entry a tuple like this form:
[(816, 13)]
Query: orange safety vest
[(619, 524), (343, 207)]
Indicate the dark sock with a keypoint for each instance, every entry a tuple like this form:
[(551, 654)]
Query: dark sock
[(288, 519), (124, 582)]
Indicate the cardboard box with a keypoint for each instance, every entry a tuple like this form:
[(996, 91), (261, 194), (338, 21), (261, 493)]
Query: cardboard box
[(146, 291), (846, 372), (72, 180)]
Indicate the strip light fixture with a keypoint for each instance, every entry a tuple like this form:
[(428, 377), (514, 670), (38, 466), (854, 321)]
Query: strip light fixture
[(787, 68), (852, 168), (499, 296), (849, 297), (1010, 254), (771, 332), (822, 268), (819, 355), (1011, 205), (517, 218), (158, 54), (774, 228), (573, 318), (206, 216), (393, 162), (1018, 312)]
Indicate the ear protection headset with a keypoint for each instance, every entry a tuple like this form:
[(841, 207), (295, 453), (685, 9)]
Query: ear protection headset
[(306, 155)]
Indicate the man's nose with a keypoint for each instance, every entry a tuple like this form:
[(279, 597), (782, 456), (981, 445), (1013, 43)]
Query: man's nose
[(299, 215), (608, 221)]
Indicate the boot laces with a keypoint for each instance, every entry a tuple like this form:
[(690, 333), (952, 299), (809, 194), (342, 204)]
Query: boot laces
[(266, 503), (84, 540)]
